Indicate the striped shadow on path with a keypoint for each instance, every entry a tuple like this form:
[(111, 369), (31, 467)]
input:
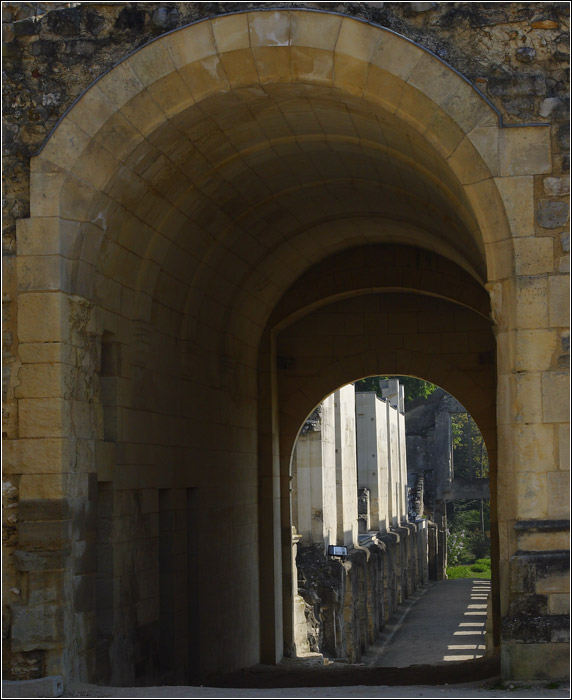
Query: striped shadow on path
[(442, 623)]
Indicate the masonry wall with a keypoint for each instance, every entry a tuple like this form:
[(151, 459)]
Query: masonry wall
[(165, 219), (373, 457), (346, 465), (314, 478)]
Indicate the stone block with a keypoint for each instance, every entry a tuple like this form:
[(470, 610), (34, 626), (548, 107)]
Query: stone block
[(556, 397), (32, 353), (193, 44), (36, 627), (319, 31), (559, 300), (273, 64), (44, 272), (553, 583), (41, 380), (442, 132), (49, 456), (533, 256), (357, 40), (52, 534), (231, 33), (76, 198), (154, 63), (205, 77), (45, 587), (171, 94), (92, 112), (39, 561), (559, 603), (531, 302), (558, 486), (42, 317), (527, 406), (531, 495), (312, 65), (561, 631), (47, 687), (500, 259), (240, 68), (467, 164), (485, 198), (535, 349), (385, 89), (486, 141), (525, 151), (541, 541), (47, 236), (564, 446), (43, 486), (43, 509), (269, 28), (97, 164), (523, 662), (556, 186), (550, 214), (534, 448), (65, 145)]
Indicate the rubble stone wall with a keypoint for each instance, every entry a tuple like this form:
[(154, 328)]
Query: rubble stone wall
[(348, 602)]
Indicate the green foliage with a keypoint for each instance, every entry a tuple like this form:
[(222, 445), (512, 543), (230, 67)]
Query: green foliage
[(479, 544), (468, 520), (478, 567), (485, 561), (470, 458), (413, 387), (466, 541), (466, 571), (457, 547)]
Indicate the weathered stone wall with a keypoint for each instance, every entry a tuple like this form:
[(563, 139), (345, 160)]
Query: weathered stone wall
[(430, 448), (349, 601)]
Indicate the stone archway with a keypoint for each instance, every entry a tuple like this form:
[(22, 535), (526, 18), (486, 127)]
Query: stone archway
[(387, 309), (173, 207)]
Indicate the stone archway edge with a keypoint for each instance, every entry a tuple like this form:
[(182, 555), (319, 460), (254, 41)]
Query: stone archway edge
[(501, 123)]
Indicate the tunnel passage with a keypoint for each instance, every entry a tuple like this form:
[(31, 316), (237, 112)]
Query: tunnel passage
[(186, 207), (430, 322)]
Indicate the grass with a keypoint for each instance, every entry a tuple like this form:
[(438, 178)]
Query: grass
[(480, 569)]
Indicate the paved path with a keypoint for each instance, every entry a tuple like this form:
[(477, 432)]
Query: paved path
[(443, 622), (440, 623)]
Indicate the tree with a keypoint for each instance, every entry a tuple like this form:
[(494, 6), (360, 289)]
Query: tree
[(413, 387), (470, 456), (470, 461)]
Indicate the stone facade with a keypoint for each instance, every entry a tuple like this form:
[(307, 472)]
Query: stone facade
[(207, 230)]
